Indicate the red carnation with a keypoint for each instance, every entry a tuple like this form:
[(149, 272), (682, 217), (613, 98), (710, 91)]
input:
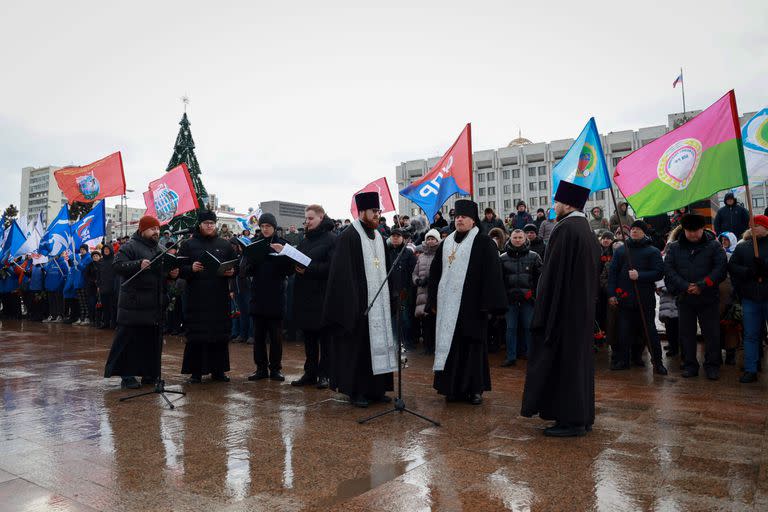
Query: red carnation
[(619, 291), (528, 294)]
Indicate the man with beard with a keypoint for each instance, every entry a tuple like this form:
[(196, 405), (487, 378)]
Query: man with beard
[(206, 303), (309, 293), (560, 378), (365, 354), (136, 346), (465, 289)]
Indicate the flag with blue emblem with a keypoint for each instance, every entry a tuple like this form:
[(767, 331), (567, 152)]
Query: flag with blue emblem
[(91, 227), (13, 241), (58, 236), (584, 163), (755, 137)]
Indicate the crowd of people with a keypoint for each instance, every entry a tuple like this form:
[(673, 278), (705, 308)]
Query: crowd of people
[(453, 305)]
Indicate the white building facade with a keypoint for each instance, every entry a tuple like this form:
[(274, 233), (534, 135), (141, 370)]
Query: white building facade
[(40, 193)]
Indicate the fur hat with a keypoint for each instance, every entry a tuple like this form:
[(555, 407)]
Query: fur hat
[(692, 222), (467, 208), (367, 201)]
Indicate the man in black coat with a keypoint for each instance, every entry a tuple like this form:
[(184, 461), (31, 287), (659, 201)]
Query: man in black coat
[(490, 221), (364, 350), (206, 303), (695, 264), (309, 293), (535, 243), (400, 286), (268, 303), (465, 289), (136, 347), (647, 267), (731, 217), (560, 378)]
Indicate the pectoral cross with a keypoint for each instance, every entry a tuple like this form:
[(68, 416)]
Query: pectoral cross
[(376, 262), (451, 257)]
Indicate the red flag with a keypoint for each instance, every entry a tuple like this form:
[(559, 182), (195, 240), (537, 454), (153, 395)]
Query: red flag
[(385, 197), (171, 195), (89, 183)]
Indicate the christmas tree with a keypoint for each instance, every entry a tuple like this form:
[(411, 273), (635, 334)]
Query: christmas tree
[(184, 152)]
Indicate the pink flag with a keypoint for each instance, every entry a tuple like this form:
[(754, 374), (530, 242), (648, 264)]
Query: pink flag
[(171, 195), (385, 197)]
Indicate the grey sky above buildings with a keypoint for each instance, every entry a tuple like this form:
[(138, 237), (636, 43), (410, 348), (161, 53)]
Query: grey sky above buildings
[(309, 101)]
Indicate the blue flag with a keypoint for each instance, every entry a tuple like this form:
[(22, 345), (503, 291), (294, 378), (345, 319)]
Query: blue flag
[(13, 241), (58, 237), (91, 227), (584, 163)]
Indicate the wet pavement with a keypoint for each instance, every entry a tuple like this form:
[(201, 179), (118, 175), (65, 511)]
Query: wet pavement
[(66, 443)]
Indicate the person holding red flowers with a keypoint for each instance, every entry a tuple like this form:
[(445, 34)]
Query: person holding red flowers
[(646, 268)]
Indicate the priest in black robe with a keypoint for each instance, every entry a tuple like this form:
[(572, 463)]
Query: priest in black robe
[(560, 378), (363, 347), (466, 291), (207, 304)]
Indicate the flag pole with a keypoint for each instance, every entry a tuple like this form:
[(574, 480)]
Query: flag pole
[(682, 88), (634, 282)]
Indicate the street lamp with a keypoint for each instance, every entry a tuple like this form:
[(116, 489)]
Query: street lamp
[(123, 211)]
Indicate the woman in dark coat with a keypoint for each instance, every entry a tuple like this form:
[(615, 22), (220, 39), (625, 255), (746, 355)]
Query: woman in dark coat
[(107, 288), (309, 294), (206, 303)]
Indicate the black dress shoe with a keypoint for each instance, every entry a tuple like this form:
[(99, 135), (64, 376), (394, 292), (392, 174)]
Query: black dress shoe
[(507, 363), (565, 431), (195, 379), (220, 377), (476, 398), (619, 366), (359, 401), (689, 372), (660, 369), (258, 375), (276, 375), (382, 399), (129, 383), (712, 373), (748, 378), (305, 380), (322, 383)]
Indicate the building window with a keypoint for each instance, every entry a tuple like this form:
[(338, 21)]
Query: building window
[(532, 202), (481, 177), (507, 189), (516, 174), (482, 205), (507, 204), (599, 196), (491, 176), (542, 185), (505, 174), (542, 170), (482, 191), (492, 204), (516, 188), (616, 160), (531, 172), (532, 186), (491, 191), (543, 200)]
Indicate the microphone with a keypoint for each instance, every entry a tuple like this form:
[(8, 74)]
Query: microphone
[(182, 232)]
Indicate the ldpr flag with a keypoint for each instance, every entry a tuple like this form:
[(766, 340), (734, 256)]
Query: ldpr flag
[(688, 164), (103, 178), (172, 195), (452, 175), (755, 136), (381, 187), (584, 163)]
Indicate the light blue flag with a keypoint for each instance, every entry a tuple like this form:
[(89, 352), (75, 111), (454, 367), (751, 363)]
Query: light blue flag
[(13, 241), (58, 237), (755, 137), (584, 163), (92, 226)]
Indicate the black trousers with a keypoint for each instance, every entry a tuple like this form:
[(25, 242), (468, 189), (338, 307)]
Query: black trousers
[(108, 309), (316, 345), (263, 327), (630, 326), (55, 304), (708, 316), (673, 333), (428, 331)]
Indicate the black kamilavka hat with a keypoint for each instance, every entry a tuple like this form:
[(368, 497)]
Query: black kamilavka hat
[(572, 195), (467, 208), (367, 201)]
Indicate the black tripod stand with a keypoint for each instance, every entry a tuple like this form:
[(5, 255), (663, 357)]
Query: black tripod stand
[(159, 383), (399, 405)]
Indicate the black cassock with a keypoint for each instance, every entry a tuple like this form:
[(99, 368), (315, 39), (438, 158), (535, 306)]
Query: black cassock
[(466, 369), (560, 380), (346, 299), (206, 308)]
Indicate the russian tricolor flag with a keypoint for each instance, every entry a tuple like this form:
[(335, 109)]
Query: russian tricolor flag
[(678, 80)]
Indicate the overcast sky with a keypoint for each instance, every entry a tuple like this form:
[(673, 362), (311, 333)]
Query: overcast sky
[(309, 101)]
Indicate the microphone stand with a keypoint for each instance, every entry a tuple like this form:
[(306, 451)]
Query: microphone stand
[(399, 405), (159, 382)]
